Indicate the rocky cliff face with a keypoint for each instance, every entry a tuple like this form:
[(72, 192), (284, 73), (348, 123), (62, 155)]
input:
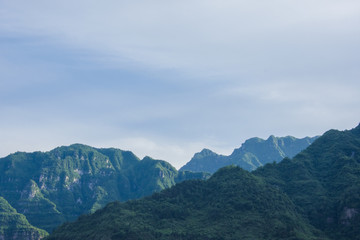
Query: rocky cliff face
[(52, 187)]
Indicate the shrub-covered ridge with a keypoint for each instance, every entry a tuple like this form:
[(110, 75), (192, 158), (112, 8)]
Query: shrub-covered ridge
[(315, 195), (15, 226), (57, 186)]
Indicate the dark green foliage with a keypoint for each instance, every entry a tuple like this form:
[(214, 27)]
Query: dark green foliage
[(232, 204), (57, 186), (315, 195), (324, 182), (255, 152), (15, 226)]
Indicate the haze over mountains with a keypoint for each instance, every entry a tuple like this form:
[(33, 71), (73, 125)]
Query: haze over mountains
[(313, 196), (253, 153)]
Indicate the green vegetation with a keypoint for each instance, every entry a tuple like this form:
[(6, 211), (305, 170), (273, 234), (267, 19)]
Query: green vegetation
[(15, 226), (324, 182), (57, 186), (232, 204), (255, 152), (315, 195)]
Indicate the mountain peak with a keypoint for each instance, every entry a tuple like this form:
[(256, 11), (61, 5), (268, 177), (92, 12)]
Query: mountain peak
[(202, 160), (59, 185), (272, 137), (253, 153), (206, 152), (311, 196)]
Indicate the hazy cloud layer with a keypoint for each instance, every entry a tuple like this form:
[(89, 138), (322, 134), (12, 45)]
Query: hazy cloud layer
[(166, 78)]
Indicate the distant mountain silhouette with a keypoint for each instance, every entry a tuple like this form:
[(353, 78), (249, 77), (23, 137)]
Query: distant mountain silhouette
[(255, 152)]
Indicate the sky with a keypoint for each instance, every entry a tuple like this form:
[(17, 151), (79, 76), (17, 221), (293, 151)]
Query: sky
[(169, 78)]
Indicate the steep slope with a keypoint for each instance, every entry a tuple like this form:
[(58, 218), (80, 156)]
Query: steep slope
[(255, 152), (15, 226), (315, 195), (324, 182), (57, 186), (232, 204)]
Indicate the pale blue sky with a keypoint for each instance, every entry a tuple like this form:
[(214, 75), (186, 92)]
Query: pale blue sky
[(168, 78)]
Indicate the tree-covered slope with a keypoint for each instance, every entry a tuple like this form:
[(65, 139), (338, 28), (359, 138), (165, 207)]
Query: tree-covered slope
[(324, 182), (52, 187), (315, 195), (232, 204), (15, 226), (253, 153)]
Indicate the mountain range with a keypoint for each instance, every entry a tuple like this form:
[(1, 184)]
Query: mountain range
[(314, 196), (253, 153), (49, 188)]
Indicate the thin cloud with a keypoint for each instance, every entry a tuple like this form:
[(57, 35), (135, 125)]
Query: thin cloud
[(192, 36), (167, 77)]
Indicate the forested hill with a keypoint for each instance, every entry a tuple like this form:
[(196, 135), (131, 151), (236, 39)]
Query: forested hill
[(232, 204), (253, 153), (324, 182), (50, 188), (313, 196), (14, 225)]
